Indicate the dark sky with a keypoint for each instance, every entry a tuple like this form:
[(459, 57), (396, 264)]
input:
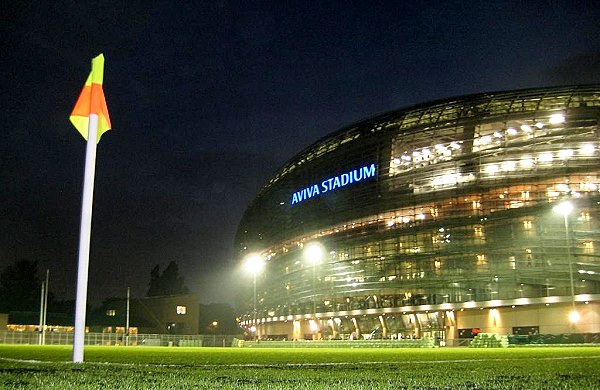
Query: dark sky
[(208, 99)]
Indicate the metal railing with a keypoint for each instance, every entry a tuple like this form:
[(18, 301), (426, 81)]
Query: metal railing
[(66, 338)]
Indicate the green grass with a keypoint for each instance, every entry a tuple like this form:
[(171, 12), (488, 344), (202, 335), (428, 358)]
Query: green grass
[(33, 367)]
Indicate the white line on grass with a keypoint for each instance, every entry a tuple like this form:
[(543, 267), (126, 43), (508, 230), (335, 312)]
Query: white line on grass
[(306, 365)]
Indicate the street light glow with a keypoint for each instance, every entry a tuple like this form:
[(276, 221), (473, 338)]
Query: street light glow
[(313, 253), (563, 208), (254, 264), (574, 317)]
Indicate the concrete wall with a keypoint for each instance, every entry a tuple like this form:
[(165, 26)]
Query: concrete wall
[(553, 318)]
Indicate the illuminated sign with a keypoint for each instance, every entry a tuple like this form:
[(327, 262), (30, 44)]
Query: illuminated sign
[(332, 183)]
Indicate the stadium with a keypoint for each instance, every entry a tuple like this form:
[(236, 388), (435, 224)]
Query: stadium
[(472, 214)]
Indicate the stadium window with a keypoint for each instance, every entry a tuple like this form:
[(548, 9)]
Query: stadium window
[(181, 310)]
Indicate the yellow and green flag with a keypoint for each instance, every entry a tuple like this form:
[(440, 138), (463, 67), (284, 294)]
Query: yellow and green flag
[(92, 101)]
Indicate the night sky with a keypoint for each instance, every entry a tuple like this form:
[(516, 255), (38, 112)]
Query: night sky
[(208, 99)]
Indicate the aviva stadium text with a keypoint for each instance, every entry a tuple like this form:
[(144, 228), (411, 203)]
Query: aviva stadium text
[(330, 184)]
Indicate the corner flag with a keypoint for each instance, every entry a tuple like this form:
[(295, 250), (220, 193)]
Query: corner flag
[(92, 101), (90, 118)]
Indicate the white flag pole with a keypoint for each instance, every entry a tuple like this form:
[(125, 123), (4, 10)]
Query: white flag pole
[(84, 239)]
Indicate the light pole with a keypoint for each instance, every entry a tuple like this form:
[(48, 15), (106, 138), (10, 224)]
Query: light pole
[(254, 264), (313, 253), (565, 208)]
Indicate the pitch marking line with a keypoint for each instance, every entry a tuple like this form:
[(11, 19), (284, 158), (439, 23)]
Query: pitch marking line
[(308, 365)]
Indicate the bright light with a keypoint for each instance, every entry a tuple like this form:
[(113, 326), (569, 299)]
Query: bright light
[(556, 119), (396, 161), (511, 131), (574, 317), (509, 165), (313, 325), (587, 149), (491, 169), (527, 162), (565, 153), (526, 128), (539, 125), (254, 264), (545, 157), (563, 208), (313, 253), (253, 329)]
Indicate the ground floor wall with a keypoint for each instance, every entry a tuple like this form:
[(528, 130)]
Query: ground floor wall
[(450, 324), (543, 319)]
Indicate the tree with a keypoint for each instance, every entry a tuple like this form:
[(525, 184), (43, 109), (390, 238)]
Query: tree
[(20, 287), (154, 289), (167, 283)]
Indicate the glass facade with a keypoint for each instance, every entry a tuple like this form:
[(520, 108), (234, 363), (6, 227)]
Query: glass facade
[(459, 211)]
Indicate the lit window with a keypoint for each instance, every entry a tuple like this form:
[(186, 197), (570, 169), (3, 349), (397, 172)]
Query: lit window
[(556, 119), (509, 165), (111, 312), (587, 149), (491, 169), (486, 139), (181, 310), (545, 157), (481, 259), (527, 162), (565, 153), (512, 262)]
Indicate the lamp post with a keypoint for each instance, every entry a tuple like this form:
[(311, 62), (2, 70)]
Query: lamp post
[(254, 264), (313, 253), (565, 208)]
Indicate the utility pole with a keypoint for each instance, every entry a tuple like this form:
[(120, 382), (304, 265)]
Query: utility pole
[(127, 318), (45, 307), (41, 314)]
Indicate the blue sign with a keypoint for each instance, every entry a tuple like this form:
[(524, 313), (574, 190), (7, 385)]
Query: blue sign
[(332, 183)]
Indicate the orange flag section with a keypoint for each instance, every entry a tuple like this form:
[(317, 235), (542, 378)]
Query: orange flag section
[(92, 101)]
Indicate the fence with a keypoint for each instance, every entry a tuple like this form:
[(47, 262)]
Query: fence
[(401, 343), (66, 338)]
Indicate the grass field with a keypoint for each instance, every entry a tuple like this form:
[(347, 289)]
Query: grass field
[(34, 367)]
